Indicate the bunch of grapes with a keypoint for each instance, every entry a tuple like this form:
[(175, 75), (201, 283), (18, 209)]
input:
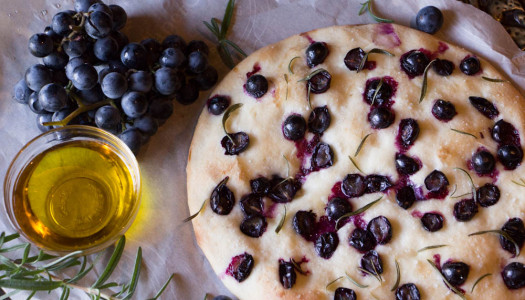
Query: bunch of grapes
[(91, 75)]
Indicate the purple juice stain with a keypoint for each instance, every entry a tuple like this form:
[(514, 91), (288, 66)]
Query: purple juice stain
[(442, 47), (437, 261), (256, 68), (417, 214), (308, 37), (439, 195), (337, 192), (370, 65), (305, 150), (385, 35), (270, 211)]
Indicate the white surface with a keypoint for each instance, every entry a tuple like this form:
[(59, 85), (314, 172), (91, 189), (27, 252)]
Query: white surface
[(168, 245)]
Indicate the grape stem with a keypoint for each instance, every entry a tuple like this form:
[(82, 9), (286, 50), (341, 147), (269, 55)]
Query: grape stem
[(82, 108)]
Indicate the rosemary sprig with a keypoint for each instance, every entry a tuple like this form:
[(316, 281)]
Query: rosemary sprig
[(195, 214), (290, 64), (356, 212), (472, 186), (463, 132), (333, 281), (502, 233), (424, 85), (225, 117), (379, 85), (354, 163), (361, 145), (375, 275), (431, 247), (520, 183), (365, 58), (220, 33), (479, 279), (363, 286), (368, 6), (493, 79), (398, 277), (26, 273), (281, 223), (450, 286)]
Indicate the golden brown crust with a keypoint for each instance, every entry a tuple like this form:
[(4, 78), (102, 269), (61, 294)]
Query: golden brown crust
[(437, 147)]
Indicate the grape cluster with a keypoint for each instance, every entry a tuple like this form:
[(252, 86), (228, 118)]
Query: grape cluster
[(92, 75)]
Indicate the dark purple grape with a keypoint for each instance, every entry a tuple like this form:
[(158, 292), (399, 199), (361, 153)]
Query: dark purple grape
[(22, 92), (323, 156), (134, 56), (504, 132), (260, 185), (174, 41), (37, 76), (320, 82), (53, 35), (294, 127), (487, 195), (99, 6), (254, 226), (256, 86), (287, 275), (465, 210), (107, 117), (455, 273), (40, 44), (98, 24), (316, 53), (353, 185), (140, 81), (383, 95), (470, 65), (106, 49), (483, 162), (326, 244), (61, 23), (238, 143), (252, 204), (188, 93), (283, 191), (132, 138), (443, 67), (516, 230), (218, 104), (56, 60), (35, 105), (304, 223), (319, 120), (134, 104), (381, 117), (91, 96), (443, 110), (153, 49), (83, 5), (484, 106), (161, 108), (436, 181), (514, 275), (72, 64), (381, 229), (432, 221), (337, 207), (377, 183), (510, 156), (408, 132), (241, 267), (114, 85), (353, 58), (121, 39), (362, 240), (408, 291), (405, 197), (222, 198), (61, 115), (43, 118), (197, 62), (119, 16), (195, 45), (342, 293), (406, 165), (414, 63), (168, 81), (429, 19), (146, 124), (85, 77), (52, 97), (172, 58), (207, 79), (372, 263), (75, 46)]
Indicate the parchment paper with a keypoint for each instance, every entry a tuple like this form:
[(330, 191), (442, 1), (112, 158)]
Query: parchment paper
[(168, 245)]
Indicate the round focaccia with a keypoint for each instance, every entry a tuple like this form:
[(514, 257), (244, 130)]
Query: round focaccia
[(362, 162)]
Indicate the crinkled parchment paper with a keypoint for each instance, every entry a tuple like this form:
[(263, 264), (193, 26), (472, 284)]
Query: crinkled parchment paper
[(168, 245)]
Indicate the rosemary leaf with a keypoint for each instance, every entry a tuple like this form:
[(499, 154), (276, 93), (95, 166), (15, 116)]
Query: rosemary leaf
[(431, 247), (61, 260), (362, 63), (13, 248), (30, 285), (309, 76), (112, 263), (455, 190), (136, 273), (235, 47), (502, 233), (31, 295), (333, 281), (225, 117), (73, 261), (5, 239), (365, 58), (379, 85), (226, 20), (281, 223), (376, 275), (363, 286), (450, 286), (211, 28), (361, 145), (463, 132), (472, 186), (364, 6), (356, 212), (493, 79), (368, 6), (519, 183), (11, 293), (460, 196), (398, 277), (424, 87), (355, 164), (226, 56), (381, 51), (108, 285), (290, 64), (297, 267), (195, 214), (164, 287), (65, 293), (82, 272), (478, 280)]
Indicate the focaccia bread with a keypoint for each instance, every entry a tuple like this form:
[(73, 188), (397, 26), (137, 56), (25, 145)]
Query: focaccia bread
[(323, 124)]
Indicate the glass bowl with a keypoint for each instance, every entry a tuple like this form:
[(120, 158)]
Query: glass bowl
[(73, 188)]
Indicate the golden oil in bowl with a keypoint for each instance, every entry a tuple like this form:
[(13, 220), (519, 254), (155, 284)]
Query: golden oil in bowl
[(78, 190)]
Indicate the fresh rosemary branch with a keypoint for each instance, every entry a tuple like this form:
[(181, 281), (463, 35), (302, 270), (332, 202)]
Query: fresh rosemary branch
[(225, 46), (35, 274), (367, 6)]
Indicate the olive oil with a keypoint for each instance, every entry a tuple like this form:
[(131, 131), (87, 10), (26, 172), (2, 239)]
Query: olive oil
[(73, 196)]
